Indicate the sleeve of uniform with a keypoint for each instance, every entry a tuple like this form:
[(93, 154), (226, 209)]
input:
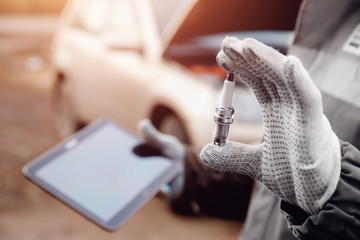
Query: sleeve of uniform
[(340, 216)]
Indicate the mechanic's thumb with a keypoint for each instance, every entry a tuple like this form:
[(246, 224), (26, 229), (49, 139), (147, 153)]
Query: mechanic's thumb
[(234, 157), (170, 146), (150, 134)]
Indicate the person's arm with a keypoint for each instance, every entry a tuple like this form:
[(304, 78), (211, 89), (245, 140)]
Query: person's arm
[(300, 157), (339, 218), (301, 160)]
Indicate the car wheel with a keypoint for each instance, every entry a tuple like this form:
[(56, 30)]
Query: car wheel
[(65, 119), (171, 124)]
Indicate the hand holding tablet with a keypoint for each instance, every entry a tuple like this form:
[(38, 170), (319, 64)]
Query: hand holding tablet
[(97, 172)]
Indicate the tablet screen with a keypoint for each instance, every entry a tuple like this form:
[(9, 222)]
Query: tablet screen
[(101, 173)]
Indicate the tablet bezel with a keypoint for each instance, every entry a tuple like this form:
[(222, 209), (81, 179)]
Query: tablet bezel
[(149, 191)]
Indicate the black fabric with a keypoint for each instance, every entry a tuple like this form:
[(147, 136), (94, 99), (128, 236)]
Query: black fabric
[(340, 216), (212, 192)]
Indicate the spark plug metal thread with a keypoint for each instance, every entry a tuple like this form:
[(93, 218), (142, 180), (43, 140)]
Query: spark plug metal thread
[(223, 117)]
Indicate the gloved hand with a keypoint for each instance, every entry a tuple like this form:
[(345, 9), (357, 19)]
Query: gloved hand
[(170, 147), (299, 159)]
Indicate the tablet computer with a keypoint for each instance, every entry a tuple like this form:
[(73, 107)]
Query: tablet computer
[(98, 173)]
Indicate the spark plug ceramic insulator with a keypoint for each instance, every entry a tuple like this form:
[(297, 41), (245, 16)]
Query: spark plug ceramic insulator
[(224, 112)]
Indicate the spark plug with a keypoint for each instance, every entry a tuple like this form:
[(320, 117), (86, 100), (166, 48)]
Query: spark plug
[(224, 112)]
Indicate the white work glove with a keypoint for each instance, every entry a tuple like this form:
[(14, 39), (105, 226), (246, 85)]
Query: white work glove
[(170, 147), (299, 159)]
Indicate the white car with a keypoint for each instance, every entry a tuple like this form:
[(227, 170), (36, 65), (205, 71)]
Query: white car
[(124, 60)]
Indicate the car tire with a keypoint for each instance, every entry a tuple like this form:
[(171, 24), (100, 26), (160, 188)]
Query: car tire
[(171, 124), (65, 120)]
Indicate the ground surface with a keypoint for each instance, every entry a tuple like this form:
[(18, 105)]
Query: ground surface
[(26, 130)]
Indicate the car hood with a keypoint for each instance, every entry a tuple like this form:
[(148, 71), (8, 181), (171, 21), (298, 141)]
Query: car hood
[(199, 18)]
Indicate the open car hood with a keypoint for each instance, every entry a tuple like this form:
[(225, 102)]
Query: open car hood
[(201, 26)]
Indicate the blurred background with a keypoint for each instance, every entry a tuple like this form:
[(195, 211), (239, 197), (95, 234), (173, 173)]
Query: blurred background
[(65, 63)]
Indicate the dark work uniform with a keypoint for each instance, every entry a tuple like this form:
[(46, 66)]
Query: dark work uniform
[(329, 47)]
